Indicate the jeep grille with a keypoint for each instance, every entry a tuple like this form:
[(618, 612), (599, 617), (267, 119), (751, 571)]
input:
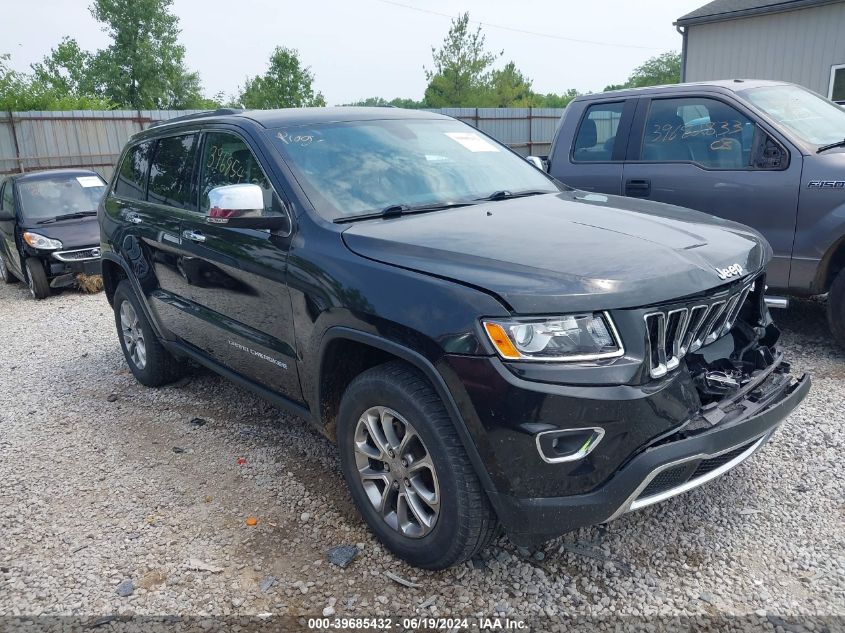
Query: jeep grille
[(672, 333)]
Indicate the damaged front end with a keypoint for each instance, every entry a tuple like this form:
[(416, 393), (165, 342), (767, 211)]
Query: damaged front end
[(745, 389), (741, 372)]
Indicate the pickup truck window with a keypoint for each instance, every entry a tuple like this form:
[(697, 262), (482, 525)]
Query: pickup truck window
[(596, 136), (813, 119), (360, 167), (699, 130)]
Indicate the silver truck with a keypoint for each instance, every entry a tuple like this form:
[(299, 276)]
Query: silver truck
[(767, 154)]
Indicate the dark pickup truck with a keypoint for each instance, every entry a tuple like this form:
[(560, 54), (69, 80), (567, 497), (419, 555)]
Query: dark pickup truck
[(767, 154)]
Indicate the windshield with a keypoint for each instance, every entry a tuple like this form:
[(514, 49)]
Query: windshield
[(50, 197), (812, 118), (349, 169)]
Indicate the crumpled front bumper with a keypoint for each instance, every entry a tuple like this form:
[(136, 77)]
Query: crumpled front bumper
[(655, 474)]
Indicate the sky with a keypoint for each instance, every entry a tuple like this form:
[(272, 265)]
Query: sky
[(362, 48)]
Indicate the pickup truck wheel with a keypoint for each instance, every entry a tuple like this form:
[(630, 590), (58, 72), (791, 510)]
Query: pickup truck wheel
[(36, 279), (407, 470), (836, 308), (150, 363)]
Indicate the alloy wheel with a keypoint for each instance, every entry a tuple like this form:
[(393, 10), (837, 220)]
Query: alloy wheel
[(133, 335), (397, 472)]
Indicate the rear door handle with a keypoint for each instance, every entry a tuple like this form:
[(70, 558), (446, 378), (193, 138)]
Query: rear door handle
[(638, 188), (194, 236)]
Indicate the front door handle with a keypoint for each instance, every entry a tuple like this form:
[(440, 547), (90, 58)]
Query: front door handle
[(194, 236), (638, 188), (134, 218)]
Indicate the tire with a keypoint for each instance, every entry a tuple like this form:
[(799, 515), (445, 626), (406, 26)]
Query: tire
[(6, 274), (36, 279), (150, 363), (461, 521), (836, 308)]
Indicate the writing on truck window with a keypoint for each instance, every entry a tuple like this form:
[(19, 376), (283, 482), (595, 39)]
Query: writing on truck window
[(666, 132)]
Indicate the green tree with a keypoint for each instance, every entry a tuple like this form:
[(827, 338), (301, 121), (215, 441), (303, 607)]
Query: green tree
[(21, 92), (144, 65), (461, 72), (398, 102), (655, 71), (67, 70), (509, 88), (286, 84), (554, 100)]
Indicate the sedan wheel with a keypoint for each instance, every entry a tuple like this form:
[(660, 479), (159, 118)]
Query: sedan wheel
[(133, 335)]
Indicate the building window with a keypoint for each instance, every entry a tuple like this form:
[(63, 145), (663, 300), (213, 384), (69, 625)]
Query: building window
[(837, 83)]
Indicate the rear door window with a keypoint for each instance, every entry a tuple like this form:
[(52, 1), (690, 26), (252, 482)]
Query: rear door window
[(132, 177), (171, 172), (596, 137), (704, 131)]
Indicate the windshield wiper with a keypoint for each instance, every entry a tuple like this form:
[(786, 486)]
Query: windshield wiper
[(68, 216), (504, 194), (397, 210), (824, 148)]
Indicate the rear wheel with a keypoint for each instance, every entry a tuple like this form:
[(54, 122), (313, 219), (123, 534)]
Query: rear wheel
[(5, 274), (150, 363), (407, 470), (836, 308), (36, 278)]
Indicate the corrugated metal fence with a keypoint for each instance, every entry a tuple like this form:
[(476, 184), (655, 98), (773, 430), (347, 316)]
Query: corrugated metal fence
[(30, 141)]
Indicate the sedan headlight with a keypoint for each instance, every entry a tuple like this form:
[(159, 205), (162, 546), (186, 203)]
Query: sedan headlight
[(39, 241), (575, 337)]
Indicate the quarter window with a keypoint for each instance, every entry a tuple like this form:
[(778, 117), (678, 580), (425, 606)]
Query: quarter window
[(227, 160), (699, 130), (171, 170), (596, 138), (132, 177)]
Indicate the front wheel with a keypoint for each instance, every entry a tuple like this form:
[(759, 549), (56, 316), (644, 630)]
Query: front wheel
[(836, 308), (150, 363), (407, 470), (36, 279)]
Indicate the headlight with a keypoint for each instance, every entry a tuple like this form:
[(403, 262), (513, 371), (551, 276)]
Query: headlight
[(567, 338), (39, 241)]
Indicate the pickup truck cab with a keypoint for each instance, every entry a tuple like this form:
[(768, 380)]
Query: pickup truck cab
[(767, 154), (485, 345)]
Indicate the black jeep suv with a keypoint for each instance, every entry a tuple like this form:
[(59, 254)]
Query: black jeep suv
[(486, 345)]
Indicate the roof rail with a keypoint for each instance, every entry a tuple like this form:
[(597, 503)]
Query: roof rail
[(197, 115)]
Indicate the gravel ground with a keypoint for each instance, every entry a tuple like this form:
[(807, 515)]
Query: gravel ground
[(110, 488)]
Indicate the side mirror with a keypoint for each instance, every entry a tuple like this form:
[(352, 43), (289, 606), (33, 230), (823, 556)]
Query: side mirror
[(538, 162), (242, 207)]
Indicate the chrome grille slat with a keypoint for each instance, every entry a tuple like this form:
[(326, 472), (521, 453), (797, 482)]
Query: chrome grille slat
[(672, 334), (737, 309), (719, 324), (696, 319)]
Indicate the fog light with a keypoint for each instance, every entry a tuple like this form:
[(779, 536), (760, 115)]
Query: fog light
[(568, 445)]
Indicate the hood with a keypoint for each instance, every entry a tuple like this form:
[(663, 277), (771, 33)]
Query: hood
[(566, 252), (76, 233)]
